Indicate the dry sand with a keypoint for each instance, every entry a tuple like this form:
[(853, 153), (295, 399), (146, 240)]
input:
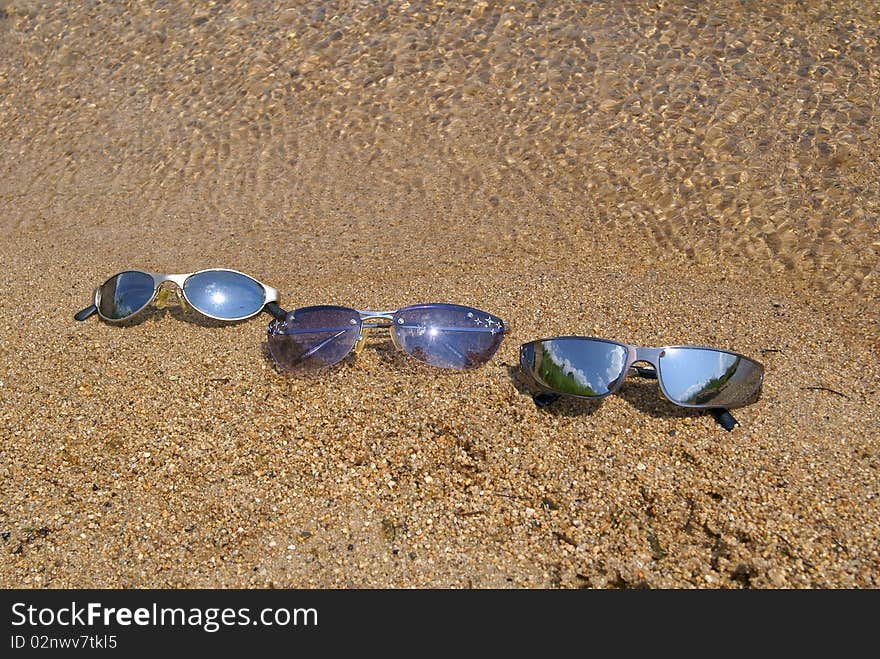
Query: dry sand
[(648, 172)]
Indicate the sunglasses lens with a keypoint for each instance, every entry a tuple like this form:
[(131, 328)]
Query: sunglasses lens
[(448, 335), (574, 366), (314, 337), (126, 293), (224, 294), (709, 378)]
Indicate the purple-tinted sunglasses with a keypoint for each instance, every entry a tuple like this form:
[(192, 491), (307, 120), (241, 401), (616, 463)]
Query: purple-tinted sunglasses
[(443, 335)]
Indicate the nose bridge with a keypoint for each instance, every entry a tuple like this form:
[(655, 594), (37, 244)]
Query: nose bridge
[(376, 319), (368, 315), (373, 320), (174, 279), (167, 296), (650, 355)]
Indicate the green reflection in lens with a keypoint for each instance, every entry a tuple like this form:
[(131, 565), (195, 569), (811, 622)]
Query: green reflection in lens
[(712, 386), (556, 376), (580, 366), (707, 377)]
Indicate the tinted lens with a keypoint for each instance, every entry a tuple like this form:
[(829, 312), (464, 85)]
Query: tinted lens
[(224, 294), (123, 295), (313, 337), (575, 366), (709, 378), (448, 335)]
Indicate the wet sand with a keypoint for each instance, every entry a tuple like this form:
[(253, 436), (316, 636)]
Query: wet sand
[(645, 172)]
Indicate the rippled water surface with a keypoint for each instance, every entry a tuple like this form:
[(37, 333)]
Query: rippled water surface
[(735, 130)]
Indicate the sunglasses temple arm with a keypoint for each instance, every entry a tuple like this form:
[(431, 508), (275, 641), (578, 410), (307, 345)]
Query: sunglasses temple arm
[(540, 396), (724, 418), (277, 312), (545, 399), (644, 372), (85, 313), (311, 351)]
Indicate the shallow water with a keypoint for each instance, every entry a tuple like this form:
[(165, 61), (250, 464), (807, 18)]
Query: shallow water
[(746, 132)]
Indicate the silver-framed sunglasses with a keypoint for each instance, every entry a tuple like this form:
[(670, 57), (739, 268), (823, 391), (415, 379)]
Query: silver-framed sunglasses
[(689, 376), (442, 335), (218, 293)]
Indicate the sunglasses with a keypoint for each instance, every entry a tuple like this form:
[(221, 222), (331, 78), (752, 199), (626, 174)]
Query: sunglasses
[(217, 293), (689, 376), (442, 335)]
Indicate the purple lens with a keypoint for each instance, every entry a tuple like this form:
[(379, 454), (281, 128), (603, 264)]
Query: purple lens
[(448, 335), (313, 337)]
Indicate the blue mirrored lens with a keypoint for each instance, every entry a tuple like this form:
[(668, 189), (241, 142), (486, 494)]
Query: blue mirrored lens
[(313, 338), (574, 366), (123, 295), (224, 294), (448, 335), (709, 378)]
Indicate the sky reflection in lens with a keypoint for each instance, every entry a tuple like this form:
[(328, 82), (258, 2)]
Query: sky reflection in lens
[(708, 377), (224, 294), (448, 335), (583, 367), (123, 295)]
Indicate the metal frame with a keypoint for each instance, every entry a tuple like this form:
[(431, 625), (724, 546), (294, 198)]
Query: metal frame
[(387, 321), (650, 355), (387, 316), (269, 294)]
